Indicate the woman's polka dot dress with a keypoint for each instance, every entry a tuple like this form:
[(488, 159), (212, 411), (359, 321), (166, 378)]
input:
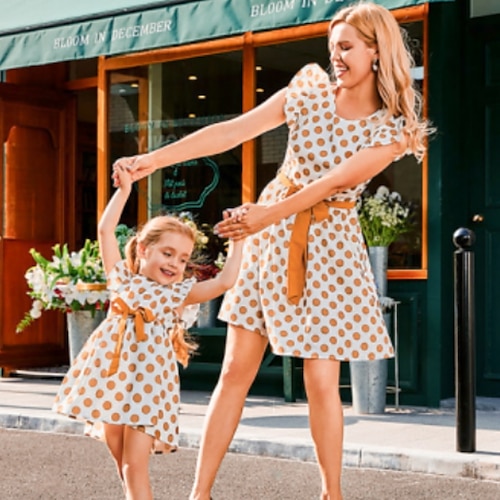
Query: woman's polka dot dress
[(144, 390), (338, 316)]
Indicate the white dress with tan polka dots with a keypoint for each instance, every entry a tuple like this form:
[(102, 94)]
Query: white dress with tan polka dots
[(338, 316), (144, 391)]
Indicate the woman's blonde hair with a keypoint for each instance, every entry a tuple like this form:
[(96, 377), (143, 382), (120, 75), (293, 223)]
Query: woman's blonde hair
[(150, 234), (378, 28)]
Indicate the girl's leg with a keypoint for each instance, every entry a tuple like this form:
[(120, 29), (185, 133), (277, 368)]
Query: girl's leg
[(135, 464), (242, 358), (113, 437), (321, 381)]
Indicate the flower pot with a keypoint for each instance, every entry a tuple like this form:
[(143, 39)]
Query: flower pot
[(369, 378), (81, 324), (378, 260), (207, 317)]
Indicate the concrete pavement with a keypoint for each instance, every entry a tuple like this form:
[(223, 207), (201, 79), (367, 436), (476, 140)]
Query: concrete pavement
[(403, 439)]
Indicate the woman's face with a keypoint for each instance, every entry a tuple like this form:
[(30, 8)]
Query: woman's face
[(350, 56)]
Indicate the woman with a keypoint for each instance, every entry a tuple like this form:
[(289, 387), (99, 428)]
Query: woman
[(305, 285)]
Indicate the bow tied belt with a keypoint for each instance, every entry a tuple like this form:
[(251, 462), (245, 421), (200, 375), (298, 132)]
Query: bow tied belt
[(297, 253), (141, 315)]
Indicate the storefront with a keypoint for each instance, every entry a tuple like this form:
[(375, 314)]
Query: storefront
[(128, 78)]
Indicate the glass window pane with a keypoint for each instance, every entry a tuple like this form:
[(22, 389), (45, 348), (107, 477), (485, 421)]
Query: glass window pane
[(276, 65), (184, 96)]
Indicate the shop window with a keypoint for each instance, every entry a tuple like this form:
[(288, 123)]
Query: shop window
[(183, 96), (152, 105)]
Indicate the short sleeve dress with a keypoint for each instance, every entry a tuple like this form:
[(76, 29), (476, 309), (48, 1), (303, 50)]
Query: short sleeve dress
[(338, 315), (127, 372)]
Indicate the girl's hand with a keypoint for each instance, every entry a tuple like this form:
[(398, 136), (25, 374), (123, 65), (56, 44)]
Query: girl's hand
[(122, 178), (240, 222)]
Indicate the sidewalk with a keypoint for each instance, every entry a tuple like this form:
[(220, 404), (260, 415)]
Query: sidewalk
[(407, 439)]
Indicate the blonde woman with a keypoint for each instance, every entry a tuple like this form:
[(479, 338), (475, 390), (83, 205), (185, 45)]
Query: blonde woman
[(305, 286)]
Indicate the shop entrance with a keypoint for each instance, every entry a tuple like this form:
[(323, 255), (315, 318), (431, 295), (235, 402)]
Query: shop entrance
[(37, 194), (483, 162)]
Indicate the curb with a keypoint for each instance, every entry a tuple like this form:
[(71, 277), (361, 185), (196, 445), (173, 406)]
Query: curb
[(466, 465)]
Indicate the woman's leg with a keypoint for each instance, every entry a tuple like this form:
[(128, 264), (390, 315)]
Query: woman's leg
[(113, 437), (242, 358), (135, 464), (321, 380)]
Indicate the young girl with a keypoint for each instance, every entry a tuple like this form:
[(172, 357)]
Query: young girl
[(125, 377), (306, 287)]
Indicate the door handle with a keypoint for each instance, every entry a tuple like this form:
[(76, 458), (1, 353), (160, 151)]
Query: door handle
[(478, 218)]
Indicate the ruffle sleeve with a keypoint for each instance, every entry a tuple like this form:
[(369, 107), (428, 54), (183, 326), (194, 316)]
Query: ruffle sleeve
[(386, 133), (118, 275), (310, 78), (179, 291), (190, 314)]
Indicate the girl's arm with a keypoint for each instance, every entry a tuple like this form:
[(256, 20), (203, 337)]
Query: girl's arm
[(212, 139), (209, 289), (108, 244), (361, 166)]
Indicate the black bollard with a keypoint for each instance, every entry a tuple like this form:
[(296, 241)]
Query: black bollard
[(465, 376)]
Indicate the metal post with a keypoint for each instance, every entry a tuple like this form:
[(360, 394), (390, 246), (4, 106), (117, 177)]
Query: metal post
[(465, 377)]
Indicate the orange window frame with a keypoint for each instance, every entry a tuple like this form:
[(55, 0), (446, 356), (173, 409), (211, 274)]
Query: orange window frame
[(247, 43)]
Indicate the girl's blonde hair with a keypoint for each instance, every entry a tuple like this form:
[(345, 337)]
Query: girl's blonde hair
[(378, 28), (150, 234)]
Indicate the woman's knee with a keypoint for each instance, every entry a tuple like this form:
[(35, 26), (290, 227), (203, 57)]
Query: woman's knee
[(321, 377)]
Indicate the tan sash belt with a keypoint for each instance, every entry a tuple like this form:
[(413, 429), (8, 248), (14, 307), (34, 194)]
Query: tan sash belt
[(141, 315), (297, 254)]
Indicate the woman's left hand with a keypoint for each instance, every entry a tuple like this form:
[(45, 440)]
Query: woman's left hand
[(242, 221)]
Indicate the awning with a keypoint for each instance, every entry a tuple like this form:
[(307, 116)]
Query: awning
[(34, 32)]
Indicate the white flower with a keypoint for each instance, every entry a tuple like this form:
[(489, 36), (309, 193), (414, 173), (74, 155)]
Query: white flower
[(395, 196), (383, 216), (37, 305), (382, 192), (35, 313)]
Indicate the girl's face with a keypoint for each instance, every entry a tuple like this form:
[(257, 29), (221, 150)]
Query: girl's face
[(165, 261), (350, 56)]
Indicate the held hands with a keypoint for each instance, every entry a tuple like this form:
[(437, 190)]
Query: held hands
[(122, 178), (139, 166), (242, 221)]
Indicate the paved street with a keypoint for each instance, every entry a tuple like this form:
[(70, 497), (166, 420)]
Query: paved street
[(48, 466)]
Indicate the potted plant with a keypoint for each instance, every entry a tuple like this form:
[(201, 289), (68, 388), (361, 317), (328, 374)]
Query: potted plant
[(71, 282), (206, 262), (383, 218)]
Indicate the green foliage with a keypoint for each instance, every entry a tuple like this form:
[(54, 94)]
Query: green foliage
[(383, 217)]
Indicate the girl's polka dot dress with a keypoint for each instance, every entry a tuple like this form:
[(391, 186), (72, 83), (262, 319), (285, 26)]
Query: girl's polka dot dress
[(127, 372), (338, 314)]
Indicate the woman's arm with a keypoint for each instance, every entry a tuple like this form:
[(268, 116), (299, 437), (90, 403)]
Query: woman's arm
[(363, 165), (108, 244), (209, 289), (210, 140)]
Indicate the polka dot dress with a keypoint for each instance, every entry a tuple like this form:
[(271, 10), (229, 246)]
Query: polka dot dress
[(338, 315), (144, 390)]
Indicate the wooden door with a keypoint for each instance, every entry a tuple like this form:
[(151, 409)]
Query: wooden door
[(37, 188), (482, 122)]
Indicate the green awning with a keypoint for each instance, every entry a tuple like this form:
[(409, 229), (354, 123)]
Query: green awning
[(34, 32)]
